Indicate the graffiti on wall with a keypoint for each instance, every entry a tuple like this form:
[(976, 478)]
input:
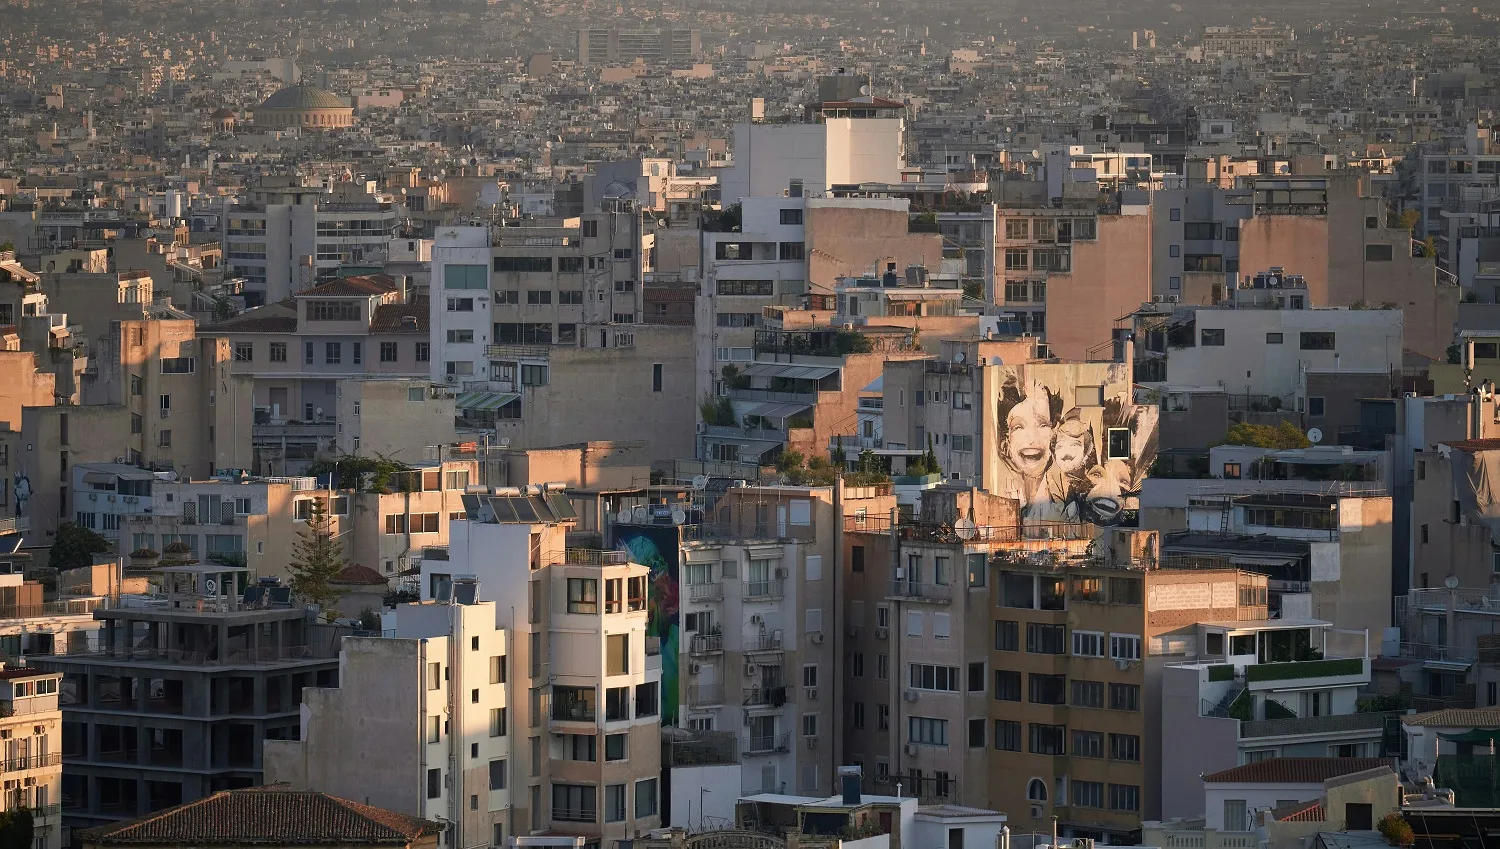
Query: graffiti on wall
[(1072, 446), (656, 548)]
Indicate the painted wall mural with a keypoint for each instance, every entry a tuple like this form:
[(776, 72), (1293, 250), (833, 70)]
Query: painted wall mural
[(1072, 446), (657, 547)]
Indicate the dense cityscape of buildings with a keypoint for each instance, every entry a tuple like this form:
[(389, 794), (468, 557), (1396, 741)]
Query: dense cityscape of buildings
[(448, 425)]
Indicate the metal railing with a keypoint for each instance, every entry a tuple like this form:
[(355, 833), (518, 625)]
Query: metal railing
[(574, 815), (769, 588), (237, 657), (763, 642), (1430, 651), (705, 592), (764, 697), (705, 644), (14, 525), (595, 557), (704, 695), (916, 590), (16, 764), (767, 744), (1315, 725)]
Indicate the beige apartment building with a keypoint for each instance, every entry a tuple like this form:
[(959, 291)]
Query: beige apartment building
[(164, 399), (389, 530), (31, 728), (1454, 521), (393, 417)]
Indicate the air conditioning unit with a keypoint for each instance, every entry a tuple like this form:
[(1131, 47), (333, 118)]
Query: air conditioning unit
[(853, 631), (757, 619), (1122, 664), (911, 749), (703, 427), (1174, 299), (694, 668), (131, 499), (810, 693), (93, 496), (812, 743), (751, 669), (1036, 812), (110, 499), (882, 633), (816, 638), (910, 695), (781, 571)]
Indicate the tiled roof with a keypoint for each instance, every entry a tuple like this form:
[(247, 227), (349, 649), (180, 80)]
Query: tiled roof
[(1456, 717), (388, 318), (359, 286), (1313, 811), (354, 573), (273, 815), (271, 318), (1294, 770)]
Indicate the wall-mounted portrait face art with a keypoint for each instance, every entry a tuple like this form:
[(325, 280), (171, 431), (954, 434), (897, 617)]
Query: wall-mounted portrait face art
[(1072, 447)]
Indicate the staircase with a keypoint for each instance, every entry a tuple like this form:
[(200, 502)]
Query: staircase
[(1221, 708)]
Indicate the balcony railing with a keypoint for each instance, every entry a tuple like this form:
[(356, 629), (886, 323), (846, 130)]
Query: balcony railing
[(764, 697), (706, 644), (763, 642), (1327, 668), (574, 815), (30, 762), (233, 657), (767, 744), (1315, 725), (1430, 651), (595, 557), (918, 591), (769, 588), (573, 712), (705, 695), (705, 592)]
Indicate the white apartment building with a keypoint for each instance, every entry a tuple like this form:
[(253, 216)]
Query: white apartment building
[(760, 642), (32, 731), (838, 143), (284, 236)]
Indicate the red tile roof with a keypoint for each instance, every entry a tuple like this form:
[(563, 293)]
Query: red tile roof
[(279, 317), (272, 815), (354, 573), (360, 286), (388, 318), (1294, 770), (1313, 811), (1472, 445), (1456, 718)]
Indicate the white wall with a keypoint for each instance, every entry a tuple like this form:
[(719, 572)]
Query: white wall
[(459, 246), (696, 810), (1256, 796)]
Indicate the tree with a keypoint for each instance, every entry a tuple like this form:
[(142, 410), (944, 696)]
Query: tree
[(75, 546), (1280, 438), (16, 829), (1396, 830), (316, 559)]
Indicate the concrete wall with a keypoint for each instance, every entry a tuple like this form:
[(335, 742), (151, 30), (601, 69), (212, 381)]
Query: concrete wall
[(21, 385), (703, 797), (852, 241), (389, 423), (1111, 277), (1198, 745)]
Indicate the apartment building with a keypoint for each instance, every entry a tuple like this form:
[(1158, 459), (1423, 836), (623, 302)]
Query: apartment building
[(297, 353), (404, 413), (1252, 691), (176, 700), (612, 46), (1457, 179), (284, 236), (1070, 271), (31, 729), (389, 530), (585, 644), (444, 732), (1453, 519), (1195, 233), (761, 633), (165, 400)]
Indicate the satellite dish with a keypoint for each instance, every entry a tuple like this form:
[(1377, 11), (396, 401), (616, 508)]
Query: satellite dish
[(958, 357), (624, 517), (1451, 582), (1314, 435), (965, 528), (700, 481), (504, 442), (639, 514), (678, 517), (864, 90)]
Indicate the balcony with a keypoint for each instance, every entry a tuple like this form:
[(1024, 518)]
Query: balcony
[(768, 589), (1318, 726), (703, 645), (595, 557), (705, 592), (772, 697), (25, 762), (705, 695), (1276, 674), (767, 744), (574, 815), (918, 591), (763, 643)]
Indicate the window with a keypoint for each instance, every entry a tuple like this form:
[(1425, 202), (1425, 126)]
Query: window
[(1007, 735), (927, 731), (624, 253), (1358, 816), (244, 352), (1007, 685), (978, 567), (434, 783), (1124, 697), (1017, 259), (645, 798), (1047, 739), (1118, 444), (524, 264), (1047, 689), (1042, 638), (926, 676), (583, 595), (307, 353), (466, 277), (809, 725), (646, 701), (1273, 338), (617, 654), (1125, 591), (1378, 253), (1124, 797), (332, 311), (1088, 644), (590, 229), (497, 722), (533, 375), (1088, 744), (177, 365), (507, 296), (573, 803), (1317, 341), (1089, 694), (1315, 407), (1124, 647), (616, 704), (1174, 251), (536, 297), (614, 803), (460, 305), (976, 677), (1232, 471), (760, 288), (455, 337), (333, 353), (790, 251), (1124, 747), (164, 439), (497, 774), (570, 297), (1212, 338), (791, 215), (1017, 229), (1007, 635), (656, 377), (388, 352)]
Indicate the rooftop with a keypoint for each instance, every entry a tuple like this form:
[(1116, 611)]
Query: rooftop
[(303, 96), (1295, 770), (1456, 718)]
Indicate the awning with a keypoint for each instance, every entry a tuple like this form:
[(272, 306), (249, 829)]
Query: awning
[(1477, 735), (484, 400), (789, 371), (778, 411)]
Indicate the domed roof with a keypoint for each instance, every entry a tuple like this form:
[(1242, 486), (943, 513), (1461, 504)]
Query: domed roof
[(304, 97)]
